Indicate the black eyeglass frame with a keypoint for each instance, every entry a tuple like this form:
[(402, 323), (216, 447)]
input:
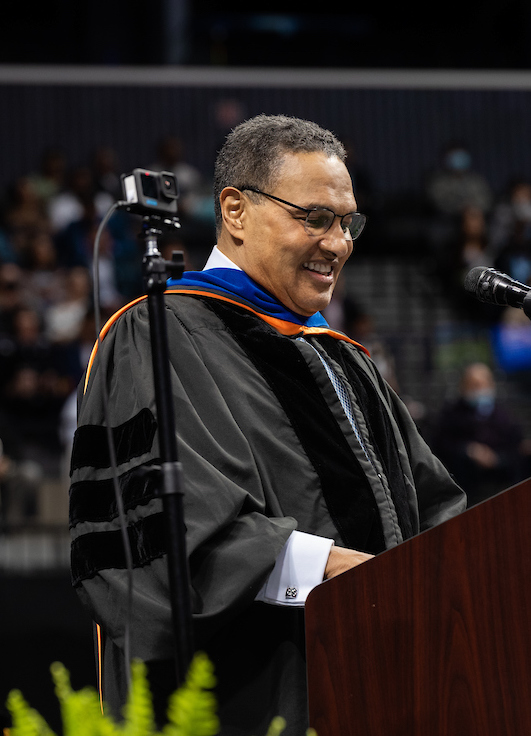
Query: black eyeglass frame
[(357, 216)]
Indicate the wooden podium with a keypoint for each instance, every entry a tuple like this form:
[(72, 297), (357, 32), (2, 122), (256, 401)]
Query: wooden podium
[(433, 637)]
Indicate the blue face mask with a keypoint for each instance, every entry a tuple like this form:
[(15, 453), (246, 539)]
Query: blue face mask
[(458, 160), (481, 400)]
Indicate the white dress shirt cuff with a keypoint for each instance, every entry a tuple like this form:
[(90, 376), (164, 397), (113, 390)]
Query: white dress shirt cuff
[(299, 567)]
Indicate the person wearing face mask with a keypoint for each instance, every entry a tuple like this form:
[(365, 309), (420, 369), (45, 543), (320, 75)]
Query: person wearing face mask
[(513, 209), (510, 232), (456, 185), (299, 461), (476, 438)]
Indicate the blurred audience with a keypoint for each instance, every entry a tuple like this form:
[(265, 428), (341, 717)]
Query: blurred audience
[(450, 190), (64, 318), (362, 183), (80, 195), (19, 489), (12, 296), (48, 224), (476, 438), (43, 279), (456, 185), (510, 232), (346, 314), (511, 214), (105, 169), (465, 249), (170, 157), (49, 179), (24, 215), (49, 220), (196, 209)]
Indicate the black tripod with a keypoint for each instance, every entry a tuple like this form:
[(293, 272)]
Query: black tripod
[(155, 272)]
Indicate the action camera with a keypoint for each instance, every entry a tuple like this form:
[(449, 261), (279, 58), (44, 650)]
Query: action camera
[(147, 192)]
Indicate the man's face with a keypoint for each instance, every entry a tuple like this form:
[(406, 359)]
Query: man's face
[(301, 270)]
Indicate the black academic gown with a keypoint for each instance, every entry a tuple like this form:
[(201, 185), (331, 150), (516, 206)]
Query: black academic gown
[(266, 448)]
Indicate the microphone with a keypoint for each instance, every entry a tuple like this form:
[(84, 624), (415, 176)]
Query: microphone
[(495, 287)]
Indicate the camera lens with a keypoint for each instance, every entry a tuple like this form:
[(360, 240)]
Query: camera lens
[(169, 185)]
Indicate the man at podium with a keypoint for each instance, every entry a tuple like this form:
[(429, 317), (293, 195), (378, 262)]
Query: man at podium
[(299, 460)]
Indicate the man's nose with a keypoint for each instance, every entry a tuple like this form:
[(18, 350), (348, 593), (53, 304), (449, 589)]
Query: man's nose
[(336, 241)]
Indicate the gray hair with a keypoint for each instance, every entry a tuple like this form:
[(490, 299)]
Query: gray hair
[(253, 152)]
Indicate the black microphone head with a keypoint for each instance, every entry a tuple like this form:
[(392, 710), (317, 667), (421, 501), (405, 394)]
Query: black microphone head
[(494, 287), (473, 278)]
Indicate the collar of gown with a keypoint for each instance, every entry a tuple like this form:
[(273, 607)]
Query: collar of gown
[(224, 280)]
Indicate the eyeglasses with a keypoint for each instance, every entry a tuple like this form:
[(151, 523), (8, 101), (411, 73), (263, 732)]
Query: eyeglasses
[(318, 220)]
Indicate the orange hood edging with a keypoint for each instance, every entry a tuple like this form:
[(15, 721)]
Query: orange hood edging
[(282, 326)]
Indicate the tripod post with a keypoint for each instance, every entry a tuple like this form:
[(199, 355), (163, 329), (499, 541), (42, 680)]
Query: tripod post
[(155, 273)]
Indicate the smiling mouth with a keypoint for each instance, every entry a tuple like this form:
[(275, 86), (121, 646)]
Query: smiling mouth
[(323, 268)]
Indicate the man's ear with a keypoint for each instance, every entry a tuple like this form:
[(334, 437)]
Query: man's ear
[(232, 210)]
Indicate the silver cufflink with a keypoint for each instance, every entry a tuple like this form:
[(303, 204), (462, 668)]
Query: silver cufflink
[(291, 592)]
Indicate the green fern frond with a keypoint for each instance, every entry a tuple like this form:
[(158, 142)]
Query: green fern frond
[(192, 708), (25, 720), (80, 711), (277, 725), (138, 711)]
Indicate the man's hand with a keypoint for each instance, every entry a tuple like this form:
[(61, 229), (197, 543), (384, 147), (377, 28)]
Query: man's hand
[(341, 559)]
